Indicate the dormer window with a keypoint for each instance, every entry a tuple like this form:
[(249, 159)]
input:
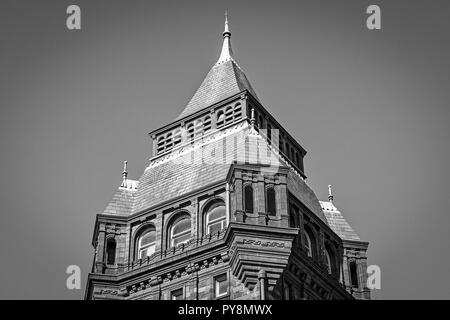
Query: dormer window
[(146, 243), (216, 218), (180, 231)]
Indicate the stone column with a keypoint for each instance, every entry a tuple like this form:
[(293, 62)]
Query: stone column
[(345, 271), (154, 145), (99, 263), (159, 226), (282, 201), (213, 119), (195, 218), (262, 284), (227, 203), (238, 190)]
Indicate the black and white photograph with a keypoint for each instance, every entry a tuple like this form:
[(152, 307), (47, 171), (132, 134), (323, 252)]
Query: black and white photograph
[(227, 151)]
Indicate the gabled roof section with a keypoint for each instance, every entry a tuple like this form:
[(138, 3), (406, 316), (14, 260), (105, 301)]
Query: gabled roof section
[(337, 222), (225, 79)]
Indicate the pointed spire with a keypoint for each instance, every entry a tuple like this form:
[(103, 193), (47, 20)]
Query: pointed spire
[(330, 194), (226, 53), (124, 174)]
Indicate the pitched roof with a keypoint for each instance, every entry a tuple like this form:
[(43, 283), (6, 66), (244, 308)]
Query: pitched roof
[(223, 80), (122, 202), (185, 170), (194, 166), (337, 222)]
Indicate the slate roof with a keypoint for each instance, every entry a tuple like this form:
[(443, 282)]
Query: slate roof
[(172, 175), (122, 202), (337, 222)]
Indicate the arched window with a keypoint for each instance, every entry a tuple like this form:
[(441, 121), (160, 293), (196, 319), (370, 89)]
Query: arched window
[(190, 131), (328, 261), (198, 130), (248, 198), (160, 144), (110, 251), (228, 115), (220, 119), (146, 243), (308, 244), (353, 274), (207, 124), (216, 217), (177, 137), (180, 232), (271, 202), (237, 111)]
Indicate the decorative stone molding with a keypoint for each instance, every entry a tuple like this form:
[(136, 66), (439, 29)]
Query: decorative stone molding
[(176, 274)]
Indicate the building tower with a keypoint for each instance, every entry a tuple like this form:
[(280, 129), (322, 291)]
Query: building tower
[(223, 211)]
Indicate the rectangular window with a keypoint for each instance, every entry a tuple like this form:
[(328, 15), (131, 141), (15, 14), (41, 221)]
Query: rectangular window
[(177, 294), (220, 285)]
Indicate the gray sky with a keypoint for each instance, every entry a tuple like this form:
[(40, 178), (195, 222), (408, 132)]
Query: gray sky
[(370, 107)]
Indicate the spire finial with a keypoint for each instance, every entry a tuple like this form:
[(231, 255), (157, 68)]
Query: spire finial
[(330, 194), (124, 172), (226, 54), (226, 31)]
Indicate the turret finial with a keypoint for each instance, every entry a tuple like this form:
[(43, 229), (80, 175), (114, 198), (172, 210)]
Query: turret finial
[(252, 117), (124, 173), (226, 53), (330, 194)]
